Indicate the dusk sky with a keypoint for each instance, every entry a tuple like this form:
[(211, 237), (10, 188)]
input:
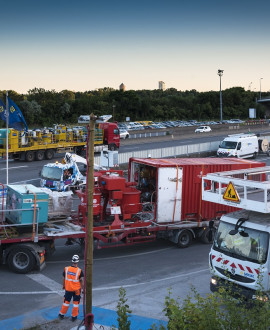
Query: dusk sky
[(84, 45)]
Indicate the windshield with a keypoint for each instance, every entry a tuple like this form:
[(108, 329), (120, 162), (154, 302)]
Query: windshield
[(228, 145), (254, 247), (51, 173)]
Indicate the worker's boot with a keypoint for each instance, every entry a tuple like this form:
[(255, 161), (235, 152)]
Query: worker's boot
[(73, 318), (61, 316)]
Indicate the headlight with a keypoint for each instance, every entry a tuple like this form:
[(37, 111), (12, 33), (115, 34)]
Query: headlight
[(263, 298), (213, 281)]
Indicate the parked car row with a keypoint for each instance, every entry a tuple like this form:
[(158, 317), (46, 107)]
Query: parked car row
[(141, 125)]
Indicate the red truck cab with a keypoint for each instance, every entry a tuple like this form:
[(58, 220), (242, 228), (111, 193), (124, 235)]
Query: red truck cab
[(111, 135)]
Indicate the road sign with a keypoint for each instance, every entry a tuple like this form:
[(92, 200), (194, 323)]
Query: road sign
[(231, 194)]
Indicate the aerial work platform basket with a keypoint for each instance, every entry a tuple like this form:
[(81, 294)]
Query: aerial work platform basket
[(247, 189)]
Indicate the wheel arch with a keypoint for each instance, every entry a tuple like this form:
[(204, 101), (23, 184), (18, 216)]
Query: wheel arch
[(34, 248), (176, 233)]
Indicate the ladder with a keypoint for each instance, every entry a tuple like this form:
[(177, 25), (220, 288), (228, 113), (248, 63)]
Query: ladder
[(251, 188)]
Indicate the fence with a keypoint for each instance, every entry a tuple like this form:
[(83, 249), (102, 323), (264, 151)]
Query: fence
[(123, 158)]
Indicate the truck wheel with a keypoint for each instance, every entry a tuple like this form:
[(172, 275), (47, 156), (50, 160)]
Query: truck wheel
[(21, 260), (29, 156), (49, 154), (40, 155), (112, 147), (184, 239)]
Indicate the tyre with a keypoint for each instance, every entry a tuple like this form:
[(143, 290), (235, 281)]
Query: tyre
[(21, 260), (112, 147), (29, 156), (49, 154), (184, 239), (39, 155)]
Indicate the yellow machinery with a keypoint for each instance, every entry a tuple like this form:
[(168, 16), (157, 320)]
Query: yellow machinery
[(44, 143)]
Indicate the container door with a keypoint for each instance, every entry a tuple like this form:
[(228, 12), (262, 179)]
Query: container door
[(169, 194)]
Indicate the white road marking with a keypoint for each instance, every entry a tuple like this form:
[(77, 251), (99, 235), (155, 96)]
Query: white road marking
[(109, 258), (25, 181), (47, 282), (13, 168)]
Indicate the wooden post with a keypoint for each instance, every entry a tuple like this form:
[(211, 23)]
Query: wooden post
[(89, 227)]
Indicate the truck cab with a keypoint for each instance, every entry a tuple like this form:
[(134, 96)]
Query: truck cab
[(63, 176), (240, 146), (240, 253)]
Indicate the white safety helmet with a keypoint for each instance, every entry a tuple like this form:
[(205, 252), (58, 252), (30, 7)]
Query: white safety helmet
[(75, 258)]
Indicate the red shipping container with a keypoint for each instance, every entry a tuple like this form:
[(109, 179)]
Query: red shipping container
[(174, 185)]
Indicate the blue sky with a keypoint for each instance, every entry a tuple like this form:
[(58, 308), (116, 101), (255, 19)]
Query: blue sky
[(85, 45)]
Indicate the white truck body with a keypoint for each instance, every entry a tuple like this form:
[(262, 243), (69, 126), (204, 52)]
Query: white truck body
[(242, 260), (239, 145), (240, 251)]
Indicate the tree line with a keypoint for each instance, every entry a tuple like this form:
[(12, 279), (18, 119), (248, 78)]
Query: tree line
[(42, 107)]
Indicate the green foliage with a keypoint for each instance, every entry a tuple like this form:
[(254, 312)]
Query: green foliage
[(216, 311), (122, 311), (42, 107)]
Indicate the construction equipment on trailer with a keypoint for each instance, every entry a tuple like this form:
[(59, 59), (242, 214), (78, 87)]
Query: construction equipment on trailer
[(240, 251), (44, 143), (160, 199), (69, 174)]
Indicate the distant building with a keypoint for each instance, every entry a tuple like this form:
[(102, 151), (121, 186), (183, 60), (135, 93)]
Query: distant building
[(161, 85), (122, 87)]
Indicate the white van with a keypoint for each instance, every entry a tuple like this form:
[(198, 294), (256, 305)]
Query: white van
[(239, 145)]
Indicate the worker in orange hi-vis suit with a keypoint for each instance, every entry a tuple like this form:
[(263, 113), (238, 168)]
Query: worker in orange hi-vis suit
[(73, 285)]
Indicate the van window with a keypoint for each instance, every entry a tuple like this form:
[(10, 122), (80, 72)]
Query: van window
[(239, 146), (116, 131), (228, 145)]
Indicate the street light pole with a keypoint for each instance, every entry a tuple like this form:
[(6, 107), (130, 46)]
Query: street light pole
[(261, 88), (220, 74)]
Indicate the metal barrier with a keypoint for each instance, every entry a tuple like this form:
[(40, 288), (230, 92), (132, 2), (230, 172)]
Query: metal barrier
[(123, 158), (186, 150)]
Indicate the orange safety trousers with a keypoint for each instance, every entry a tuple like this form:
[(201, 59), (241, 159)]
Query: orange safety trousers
[(76, 302)]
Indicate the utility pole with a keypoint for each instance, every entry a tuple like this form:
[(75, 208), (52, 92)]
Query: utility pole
[(261, 88), (7, 130), (220, 73), (89, 318)]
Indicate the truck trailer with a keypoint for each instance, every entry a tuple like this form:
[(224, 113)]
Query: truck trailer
[(162, 198), (44, 143)]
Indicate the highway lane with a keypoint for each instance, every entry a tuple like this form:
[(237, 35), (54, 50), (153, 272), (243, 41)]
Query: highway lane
[(25, 172)]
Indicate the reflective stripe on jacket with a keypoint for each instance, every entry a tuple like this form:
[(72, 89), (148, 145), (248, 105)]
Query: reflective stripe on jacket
[(72, 281)]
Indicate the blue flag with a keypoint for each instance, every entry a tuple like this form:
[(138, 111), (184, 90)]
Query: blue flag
[(16, 119), (2, 110)]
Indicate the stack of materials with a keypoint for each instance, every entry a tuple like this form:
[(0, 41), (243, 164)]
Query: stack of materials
[(60, 203)]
